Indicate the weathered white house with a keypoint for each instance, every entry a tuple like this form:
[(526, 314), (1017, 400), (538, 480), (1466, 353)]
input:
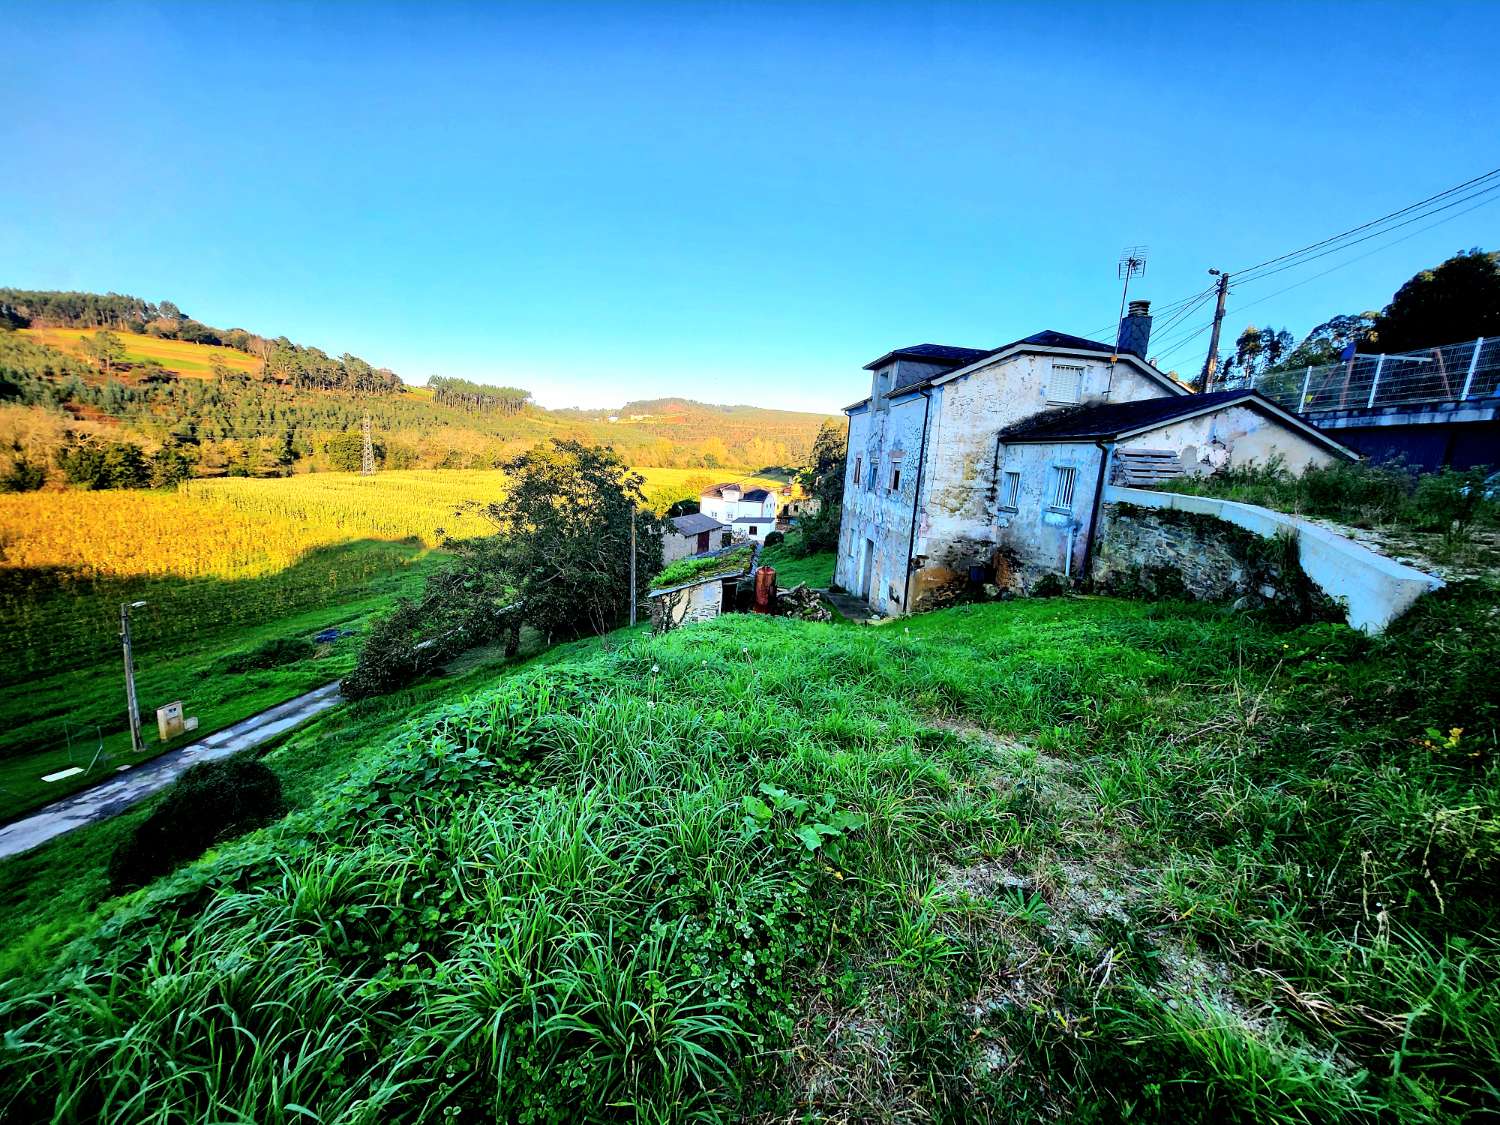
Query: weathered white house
[(750, 511), (989, 464), (685, 536)]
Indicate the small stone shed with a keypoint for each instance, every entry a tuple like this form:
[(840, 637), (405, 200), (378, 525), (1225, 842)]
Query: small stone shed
[(706, 590), (1053, 467), (695, 534)]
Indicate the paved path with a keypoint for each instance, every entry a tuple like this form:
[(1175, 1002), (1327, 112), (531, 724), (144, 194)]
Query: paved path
[(855, 609), (114, 796)]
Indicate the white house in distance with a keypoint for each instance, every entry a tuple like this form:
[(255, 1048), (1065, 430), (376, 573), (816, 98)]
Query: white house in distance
[(967, 463), (751, 512)]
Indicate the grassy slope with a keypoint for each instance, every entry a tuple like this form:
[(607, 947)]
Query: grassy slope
[(64, 719), (53, 893), (814, 570), (193, 360), (1078, 858)]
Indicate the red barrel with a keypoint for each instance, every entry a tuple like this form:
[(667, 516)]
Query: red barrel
[(765, 589)]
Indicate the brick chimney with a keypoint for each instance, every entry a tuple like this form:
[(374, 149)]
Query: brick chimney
[(1135, 329)]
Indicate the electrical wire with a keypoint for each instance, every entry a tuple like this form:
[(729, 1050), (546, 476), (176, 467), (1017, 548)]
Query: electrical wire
[(1373, 222)]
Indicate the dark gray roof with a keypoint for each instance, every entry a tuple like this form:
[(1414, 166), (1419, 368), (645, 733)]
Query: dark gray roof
[(750, 494), (1047, 338), (954, 358), (931, 353), (756, 519), (695, 523), (1115, 419)]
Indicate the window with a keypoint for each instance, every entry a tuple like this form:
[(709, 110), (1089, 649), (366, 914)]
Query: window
[(1066, 384), (896, 459), (873, 475), (859, 464), (753, 531), (1063, 479), (1010, 491)]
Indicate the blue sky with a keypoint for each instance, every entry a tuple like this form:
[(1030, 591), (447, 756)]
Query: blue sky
[(737, 203)]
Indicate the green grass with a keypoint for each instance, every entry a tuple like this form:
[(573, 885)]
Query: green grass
[(1064, 859), (792, 570), (77, 717)]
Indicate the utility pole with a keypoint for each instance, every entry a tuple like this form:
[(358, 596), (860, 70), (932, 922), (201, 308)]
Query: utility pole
[(632, 564), (367, 455), (1211, 364), (132, 705)]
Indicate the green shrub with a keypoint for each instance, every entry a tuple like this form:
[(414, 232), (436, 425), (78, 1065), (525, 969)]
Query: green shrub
[(23, 475), (211, 801), (275, 653), (774, 538)]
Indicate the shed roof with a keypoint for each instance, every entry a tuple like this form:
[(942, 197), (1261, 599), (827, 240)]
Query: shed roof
[(695, 523), (1113, 420)]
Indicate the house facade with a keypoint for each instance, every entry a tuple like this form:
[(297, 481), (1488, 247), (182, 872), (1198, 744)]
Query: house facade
[(945, 485), (751, 512)]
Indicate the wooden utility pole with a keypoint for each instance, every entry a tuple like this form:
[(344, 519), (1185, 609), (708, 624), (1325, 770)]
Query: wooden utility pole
[(632, 565), (1211, 363), (131, 703)]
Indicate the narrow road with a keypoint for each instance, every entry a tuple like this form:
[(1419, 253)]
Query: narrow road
[(114, 796)]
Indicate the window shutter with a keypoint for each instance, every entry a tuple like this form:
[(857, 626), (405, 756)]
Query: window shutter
[(1066, 384)]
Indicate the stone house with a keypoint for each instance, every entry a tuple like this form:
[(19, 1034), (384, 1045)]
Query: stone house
[(705, 593), (954, 475), (685, 536)]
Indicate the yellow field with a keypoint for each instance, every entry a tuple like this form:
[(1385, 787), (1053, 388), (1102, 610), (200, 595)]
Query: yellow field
[(239, 527), (176, 355)]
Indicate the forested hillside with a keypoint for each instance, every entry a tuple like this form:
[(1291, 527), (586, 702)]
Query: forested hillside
[(162, 396)]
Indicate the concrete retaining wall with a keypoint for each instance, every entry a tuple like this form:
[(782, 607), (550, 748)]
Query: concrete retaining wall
[(1374, 590)]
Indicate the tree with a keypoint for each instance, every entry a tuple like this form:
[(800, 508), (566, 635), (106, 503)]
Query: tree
[(1327, 342), (566, 526), (105, 349), (822, 477), (1456, 301)]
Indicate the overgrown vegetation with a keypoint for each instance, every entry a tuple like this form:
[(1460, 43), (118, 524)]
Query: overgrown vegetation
[(1450, 504), (210, 802), (1057, 859), (735, 560), (559, 560)]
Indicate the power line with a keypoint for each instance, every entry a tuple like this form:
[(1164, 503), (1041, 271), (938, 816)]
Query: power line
[(1373, 222), (1489, 195), (1341, 241), (1375, 234)]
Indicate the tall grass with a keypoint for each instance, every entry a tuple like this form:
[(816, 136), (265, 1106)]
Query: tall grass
[(1074, 858)]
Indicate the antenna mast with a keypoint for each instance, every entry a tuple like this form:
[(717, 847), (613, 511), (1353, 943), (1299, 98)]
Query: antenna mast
[(1132, 264)]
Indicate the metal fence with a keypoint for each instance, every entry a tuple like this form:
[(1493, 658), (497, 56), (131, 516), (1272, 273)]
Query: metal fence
[(1449, 374)]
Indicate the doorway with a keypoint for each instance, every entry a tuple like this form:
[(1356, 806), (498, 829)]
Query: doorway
[(867, 569)]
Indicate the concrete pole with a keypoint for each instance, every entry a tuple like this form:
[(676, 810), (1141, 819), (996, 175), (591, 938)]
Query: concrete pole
[(632, 565), (1211, 364), (132, 704)]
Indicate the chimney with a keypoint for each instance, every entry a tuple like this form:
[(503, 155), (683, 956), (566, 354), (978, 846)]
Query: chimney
[(1135, 329)]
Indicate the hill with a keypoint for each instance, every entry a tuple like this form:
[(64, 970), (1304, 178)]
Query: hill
[(1068, 859), (231, 402)]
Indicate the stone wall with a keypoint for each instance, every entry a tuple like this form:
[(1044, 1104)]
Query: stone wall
[(1173, 554), (702, 602)]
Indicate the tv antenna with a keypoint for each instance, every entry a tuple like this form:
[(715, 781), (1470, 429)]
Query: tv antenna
[(1132, 264)]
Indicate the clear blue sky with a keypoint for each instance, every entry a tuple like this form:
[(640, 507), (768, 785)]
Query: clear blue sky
[(733, 202)]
